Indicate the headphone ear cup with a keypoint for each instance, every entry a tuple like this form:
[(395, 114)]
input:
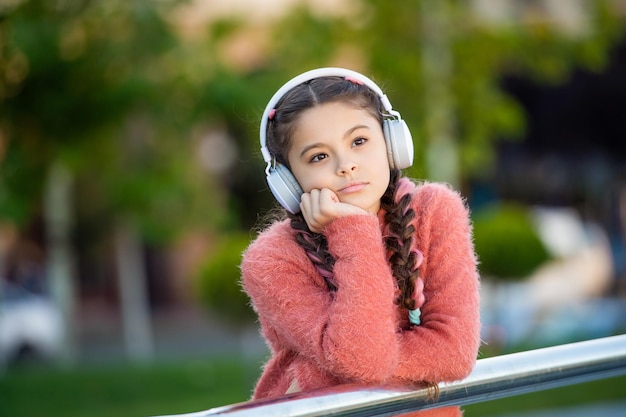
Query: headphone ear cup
[(285, 188), (399, 143)]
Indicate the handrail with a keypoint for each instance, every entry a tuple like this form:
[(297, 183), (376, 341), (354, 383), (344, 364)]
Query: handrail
[(492, 378)]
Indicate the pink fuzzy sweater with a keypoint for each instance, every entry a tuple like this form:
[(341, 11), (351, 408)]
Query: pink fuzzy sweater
[(358, 334)]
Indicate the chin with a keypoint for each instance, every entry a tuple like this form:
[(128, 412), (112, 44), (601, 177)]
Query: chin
[(367, 207)]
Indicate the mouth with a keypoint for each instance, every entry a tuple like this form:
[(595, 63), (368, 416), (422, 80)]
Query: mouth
[(352, 187)]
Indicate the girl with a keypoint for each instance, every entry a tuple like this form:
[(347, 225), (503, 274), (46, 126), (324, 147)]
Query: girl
[(371, 278)]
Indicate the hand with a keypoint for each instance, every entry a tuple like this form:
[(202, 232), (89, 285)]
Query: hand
[(320, 207)]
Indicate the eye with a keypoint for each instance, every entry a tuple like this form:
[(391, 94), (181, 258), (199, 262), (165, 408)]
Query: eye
[(318, 157), (359, 141)]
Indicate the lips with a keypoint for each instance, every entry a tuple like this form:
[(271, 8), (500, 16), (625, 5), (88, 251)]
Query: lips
[(353, 187)]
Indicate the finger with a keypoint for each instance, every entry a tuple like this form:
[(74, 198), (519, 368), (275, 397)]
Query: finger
[(306, 206), (315, 202), (327, 201), (305, 203), (326, 194)]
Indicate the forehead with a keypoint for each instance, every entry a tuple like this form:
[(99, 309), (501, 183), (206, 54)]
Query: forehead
[(331, 119)]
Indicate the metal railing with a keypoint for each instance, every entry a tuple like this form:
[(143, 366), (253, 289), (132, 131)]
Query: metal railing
[(492, 378)]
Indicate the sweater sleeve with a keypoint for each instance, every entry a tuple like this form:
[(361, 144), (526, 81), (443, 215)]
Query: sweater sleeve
[(349, 333), (444, 347)]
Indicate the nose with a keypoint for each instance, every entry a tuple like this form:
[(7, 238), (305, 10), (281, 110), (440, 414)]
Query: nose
[(346, 166)]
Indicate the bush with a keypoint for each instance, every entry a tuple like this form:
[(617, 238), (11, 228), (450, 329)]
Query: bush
[(507, 244), (219, 280)]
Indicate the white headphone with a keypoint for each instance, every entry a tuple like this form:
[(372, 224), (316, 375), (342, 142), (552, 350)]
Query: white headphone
[(281, 181)]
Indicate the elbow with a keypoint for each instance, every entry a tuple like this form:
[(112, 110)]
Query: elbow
[(462, 363), (455, 369), (464, 367)]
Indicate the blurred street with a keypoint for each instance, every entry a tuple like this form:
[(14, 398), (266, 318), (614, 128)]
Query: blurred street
[(183, 333)]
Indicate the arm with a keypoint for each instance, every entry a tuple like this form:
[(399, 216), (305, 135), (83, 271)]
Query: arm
[(445, 345), (345, 332)]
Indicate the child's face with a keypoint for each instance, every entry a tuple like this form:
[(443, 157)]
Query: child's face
[(341, 147)]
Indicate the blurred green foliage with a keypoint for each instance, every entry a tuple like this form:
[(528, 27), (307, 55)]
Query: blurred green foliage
[(95, 86), (506, 242), (389, 38), (117, 92), (218, 280)]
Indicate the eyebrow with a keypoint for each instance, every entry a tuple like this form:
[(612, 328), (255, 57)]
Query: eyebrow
[(347, 133)]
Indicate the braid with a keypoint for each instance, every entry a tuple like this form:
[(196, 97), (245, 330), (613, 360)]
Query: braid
[(316, 248), (403, 260)]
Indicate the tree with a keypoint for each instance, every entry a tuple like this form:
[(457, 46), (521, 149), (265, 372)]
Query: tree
[(92, 98), (480, 54), (442, 66)]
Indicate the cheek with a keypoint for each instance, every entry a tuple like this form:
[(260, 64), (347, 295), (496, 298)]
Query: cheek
[(316, 177), (302, 176), (386, 176), (380, 164), (310, 180)]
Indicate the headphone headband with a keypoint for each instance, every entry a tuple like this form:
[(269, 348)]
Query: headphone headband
[(308, 76)]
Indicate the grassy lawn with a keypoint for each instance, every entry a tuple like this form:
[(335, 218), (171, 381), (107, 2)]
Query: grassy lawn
[(606, 390), (183, 387), (123, 390)]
